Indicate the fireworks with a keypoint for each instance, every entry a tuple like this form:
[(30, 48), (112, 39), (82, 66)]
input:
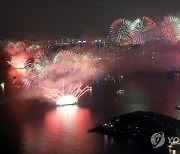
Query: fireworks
[(44, 72), (40, 62), (14, 48), (67, 96), (137, 32), (67, 63), (32, 78), (65, 55), (146, 30), (74, 68), (19, 62), (142, 30), (170, 30), (120, 30), (38, 56)]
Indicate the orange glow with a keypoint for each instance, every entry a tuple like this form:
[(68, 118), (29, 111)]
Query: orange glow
[(19, 61)]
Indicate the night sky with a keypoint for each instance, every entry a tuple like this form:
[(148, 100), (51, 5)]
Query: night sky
[(74, 18)]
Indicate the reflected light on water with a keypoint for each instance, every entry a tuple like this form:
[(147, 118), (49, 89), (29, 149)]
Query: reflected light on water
[(63, 116), (63, 130)]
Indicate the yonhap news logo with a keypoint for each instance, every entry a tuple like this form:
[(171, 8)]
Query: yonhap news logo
[(158, 139)]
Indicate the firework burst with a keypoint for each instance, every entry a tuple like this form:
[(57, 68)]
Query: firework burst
[(120, 30), (68, 63), (31, 78), (39, 56), (19, 62), (142, 30), (68, 95), (65, 56), (170, 30), (14, 48)]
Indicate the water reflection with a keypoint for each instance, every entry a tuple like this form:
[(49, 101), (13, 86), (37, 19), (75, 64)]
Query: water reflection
[(63, 129), (61, 117), (29, 128)]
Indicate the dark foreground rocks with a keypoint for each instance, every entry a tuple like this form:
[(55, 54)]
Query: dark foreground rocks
[(136, 129)]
